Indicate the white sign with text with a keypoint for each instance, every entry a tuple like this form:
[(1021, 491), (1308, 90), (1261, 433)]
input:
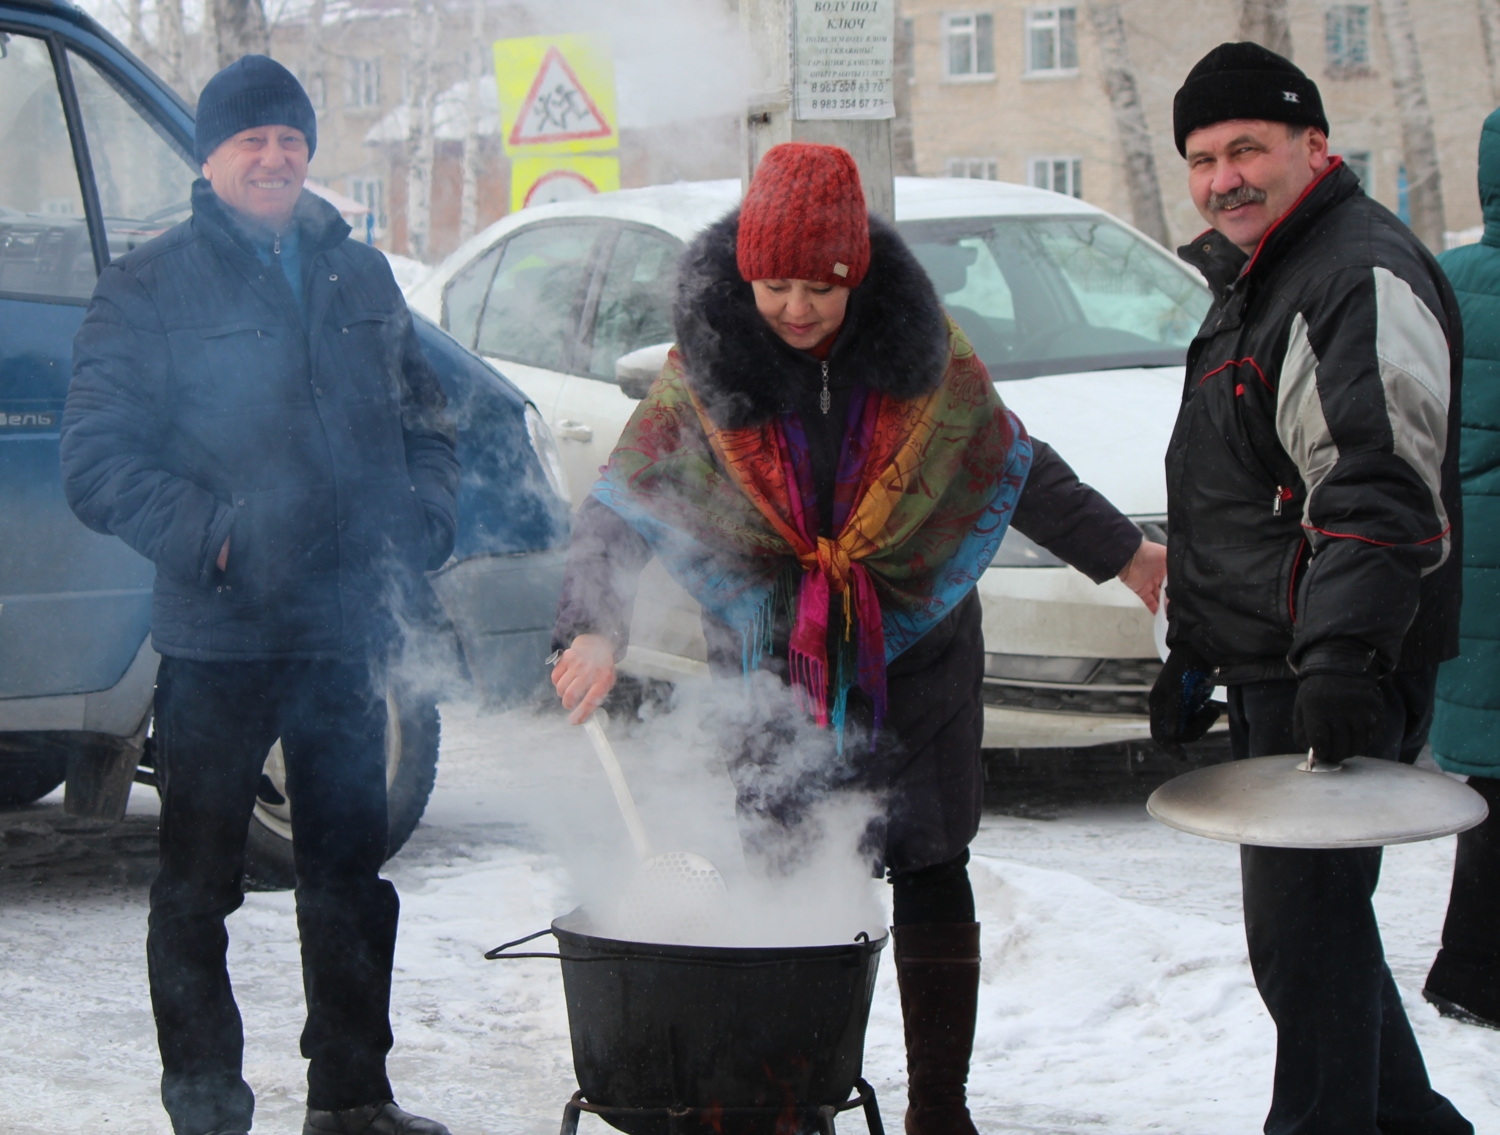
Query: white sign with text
[(843, 59)]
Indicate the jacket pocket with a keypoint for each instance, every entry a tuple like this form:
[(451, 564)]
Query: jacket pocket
[(368, 349), (282, 540)]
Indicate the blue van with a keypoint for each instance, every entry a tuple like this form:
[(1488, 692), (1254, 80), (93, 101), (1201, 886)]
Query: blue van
[(98, 159)]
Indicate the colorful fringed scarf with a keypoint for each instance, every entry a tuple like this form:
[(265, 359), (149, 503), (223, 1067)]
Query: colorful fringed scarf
[(924, 493)]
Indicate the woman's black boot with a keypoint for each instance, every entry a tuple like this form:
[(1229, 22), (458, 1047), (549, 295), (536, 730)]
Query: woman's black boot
[(937, 966)]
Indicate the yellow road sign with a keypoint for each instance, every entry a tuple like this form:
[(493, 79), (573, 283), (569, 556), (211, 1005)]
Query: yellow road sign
[(547, 180), (557, 94)]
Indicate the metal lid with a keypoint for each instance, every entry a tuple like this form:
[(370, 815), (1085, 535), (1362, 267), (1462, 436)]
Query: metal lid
[(1280, 802)]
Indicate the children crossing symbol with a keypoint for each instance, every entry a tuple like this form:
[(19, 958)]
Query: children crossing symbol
[(557, 108)]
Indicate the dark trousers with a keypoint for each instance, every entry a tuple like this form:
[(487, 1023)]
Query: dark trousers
[(1467, 969), (937, 894), (1346, 1060), (215, 722)]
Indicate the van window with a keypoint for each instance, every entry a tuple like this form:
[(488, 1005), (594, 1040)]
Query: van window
[(145, 183), (635, 301), (532, 310), (44, 237), (463, 298)]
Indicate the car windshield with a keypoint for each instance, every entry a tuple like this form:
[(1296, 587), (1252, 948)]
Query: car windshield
[(1051, 295)]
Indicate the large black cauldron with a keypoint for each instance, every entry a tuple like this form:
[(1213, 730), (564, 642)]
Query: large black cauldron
[(713, 1032)]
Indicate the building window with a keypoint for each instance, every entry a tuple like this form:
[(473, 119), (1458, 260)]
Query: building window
[(317, 91), (1051, 41), (1358, 162), (370, 192), (984, 169), (970, 41), (1347, 36), (1059, 174), (363, 86)]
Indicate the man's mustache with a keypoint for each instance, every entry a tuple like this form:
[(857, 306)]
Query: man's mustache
[(1240, 195)]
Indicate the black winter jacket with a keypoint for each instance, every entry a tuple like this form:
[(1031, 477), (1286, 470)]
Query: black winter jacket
[(894, 339), (203, 406), (1313, 497)]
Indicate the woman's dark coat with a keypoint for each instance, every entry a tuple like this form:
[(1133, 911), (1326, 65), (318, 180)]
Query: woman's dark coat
[(205, 405), (894, 339)]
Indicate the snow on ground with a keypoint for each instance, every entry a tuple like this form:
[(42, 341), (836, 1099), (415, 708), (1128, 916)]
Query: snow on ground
[(1116, 994)]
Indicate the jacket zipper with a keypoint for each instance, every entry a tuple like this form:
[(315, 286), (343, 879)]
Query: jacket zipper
[(825, 400), (1282, 494)]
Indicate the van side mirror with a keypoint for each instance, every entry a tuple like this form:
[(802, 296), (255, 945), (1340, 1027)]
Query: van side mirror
[(636, 371)]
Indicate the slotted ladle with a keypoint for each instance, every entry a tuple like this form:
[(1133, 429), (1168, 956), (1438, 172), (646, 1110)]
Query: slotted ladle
[(672, 896)]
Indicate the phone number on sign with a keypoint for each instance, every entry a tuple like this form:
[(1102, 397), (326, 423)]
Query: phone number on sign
[(846, 104)]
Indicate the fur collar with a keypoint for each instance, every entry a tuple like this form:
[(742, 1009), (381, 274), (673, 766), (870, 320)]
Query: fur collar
[(894, 339)]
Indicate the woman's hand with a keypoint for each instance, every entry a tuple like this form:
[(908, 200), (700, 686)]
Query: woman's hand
[(584, 675), (1145, 572)]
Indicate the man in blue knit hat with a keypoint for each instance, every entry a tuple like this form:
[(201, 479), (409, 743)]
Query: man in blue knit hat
[(250, 410)]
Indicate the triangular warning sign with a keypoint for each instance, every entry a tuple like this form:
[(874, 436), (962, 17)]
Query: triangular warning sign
[(557, 108)]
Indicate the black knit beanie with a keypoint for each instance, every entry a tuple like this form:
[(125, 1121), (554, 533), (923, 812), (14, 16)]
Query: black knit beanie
[(252, 91), (1245, 80)]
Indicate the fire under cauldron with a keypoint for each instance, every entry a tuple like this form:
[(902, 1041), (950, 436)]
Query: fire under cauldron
[(714, 1040)]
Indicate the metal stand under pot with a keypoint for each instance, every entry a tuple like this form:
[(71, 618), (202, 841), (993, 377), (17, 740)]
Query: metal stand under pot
[(1296, 801), (714, 1040)]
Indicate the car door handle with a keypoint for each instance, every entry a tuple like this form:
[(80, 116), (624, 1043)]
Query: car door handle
[(572, 431)]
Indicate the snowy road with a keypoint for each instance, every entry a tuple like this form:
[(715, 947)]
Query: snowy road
[(1116, 995)]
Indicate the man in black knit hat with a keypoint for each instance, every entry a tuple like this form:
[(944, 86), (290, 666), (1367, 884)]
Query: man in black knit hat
[(250, 410), (1313, 550)]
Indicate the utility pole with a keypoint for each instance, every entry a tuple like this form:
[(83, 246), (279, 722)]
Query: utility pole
[(785, 36)]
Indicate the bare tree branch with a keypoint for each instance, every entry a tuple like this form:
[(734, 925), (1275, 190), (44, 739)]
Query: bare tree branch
[(1489, 30), (239, 29), (1130, 121), (420, 144), (1265, 22), (468, 208), (1424, 178)]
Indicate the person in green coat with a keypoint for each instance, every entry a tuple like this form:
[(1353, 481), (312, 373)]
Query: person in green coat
[(1465, 979)]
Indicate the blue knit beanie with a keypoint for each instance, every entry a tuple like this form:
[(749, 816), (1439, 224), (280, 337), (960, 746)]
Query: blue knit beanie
[(252, 91)]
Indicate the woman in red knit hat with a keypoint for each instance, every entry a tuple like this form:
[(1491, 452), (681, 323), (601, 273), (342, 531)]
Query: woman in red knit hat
[(824, 464)]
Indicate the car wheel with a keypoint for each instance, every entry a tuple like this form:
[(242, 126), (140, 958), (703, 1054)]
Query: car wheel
[(29, 772), (411, 753)]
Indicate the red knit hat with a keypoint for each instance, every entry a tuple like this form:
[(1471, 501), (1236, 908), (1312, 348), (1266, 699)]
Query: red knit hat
[(804, 217)]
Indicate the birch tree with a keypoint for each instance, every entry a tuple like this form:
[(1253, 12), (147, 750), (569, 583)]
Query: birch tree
[(1265, 22), (468, 208), (420, 144), (1130, 121), (315, 58), (1489, 30), (133, 14), (1424, 179), (239, 29), (171, 40)]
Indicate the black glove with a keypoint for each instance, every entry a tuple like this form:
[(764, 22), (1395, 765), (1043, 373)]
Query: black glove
[(1336, 715), (1180, 709)]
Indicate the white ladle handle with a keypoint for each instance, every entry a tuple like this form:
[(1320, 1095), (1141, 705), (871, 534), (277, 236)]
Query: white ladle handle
[(594, 726)]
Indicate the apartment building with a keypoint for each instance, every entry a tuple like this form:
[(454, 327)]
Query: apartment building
[(1015, 91)]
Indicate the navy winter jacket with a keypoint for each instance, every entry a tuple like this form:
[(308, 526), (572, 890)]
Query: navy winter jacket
[(204, 405)]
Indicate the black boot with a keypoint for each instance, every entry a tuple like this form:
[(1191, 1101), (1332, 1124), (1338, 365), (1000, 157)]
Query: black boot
[(372, 1119), (1464, 982), (937, 967)]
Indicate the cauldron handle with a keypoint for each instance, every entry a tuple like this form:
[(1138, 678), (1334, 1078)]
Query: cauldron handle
[(498, 954)]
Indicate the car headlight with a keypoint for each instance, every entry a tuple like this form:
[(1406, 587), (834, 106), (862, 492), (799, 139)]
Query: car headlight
[(547, 453)]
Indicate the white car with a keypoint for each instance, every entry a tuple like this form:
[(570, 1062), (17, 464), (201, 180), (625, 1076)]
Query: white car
[(1082, 321)]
